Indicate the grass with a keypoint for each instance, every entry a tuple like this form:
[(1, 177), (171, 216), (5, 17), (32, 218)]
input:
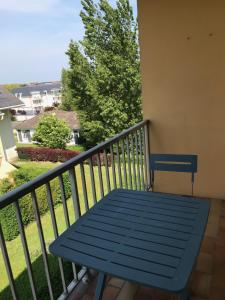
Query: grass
[(79, 148), (26, 145), (45, 165)]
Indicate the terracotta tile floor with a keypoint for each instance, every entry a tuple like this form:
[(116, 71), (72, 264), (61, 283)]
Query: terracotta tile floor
[(207, 281)]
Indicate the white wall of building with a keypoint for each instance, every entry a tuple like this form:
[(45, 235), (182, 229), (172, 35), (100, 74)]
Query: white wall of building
[(25, 137), (36, 103), (8, 151)]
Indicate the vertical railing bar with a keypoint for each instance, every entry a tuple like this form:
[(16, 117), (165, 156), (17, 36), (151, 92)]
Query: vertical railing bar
[(100, 175), (84, 187), (144, 158), (148, 155), (128, 161), (76, 205), (133, 158), (141, 160), (42, 242), (107, 171), (25, 250), (119, 164), (56, 233), (137, 156), (145, 161), (75, 195), (93, 188), (63, 194), (8, 265), (124, 165), (113, 166), (66, 215)]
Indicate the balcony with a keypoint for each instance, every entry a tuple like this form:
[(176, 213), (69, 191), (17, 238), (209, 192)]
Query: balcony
[(121, 162)]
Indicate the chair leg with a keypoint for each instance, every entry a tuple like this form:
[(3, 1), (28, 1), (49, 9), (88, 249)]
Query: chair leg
[(100, 286)]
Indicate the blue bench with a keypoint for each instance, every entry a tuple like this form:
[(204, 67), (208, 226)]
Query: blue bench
[(173, 163)]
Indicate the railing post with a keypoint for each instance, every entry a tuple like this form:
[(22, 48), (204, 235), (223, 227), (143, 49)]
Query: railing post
[(84, 187), (26, 250), (92, 175), (100, 175), (107, 171), (148, 153), (7, 265), (129, 162), (113, 166), (42, 243), (119, 164), (56, 233), (74, 192)]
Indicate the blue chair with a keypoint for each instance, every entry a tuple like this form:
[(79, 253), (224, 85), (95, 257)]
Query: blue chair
[(173, 163)]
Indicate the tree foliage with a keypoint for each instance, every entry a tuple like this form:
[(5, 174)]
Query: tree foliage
[(11, 86), (103, 81), (52, 132)]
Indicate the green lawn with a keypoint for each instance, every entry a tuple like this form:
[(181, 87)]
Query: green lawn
[(79, 148), (45, 165), (26, 145)]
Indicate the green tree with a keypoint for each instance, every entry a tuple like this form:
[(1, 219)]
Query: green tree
[(52, 132), (11, 86), (103, 80)]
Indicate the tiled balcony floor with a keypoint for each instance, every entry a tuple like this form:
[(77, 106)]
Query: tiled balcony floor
[(208, 278)]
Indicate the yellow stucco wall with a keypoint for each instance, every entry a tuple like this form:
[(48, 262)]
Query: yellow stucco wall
[(183, 77)]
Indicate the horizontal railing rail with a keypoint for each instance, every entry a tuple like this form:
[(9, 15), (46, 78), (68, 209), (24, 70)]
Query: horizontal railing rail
[(120, 162), (40, 180)]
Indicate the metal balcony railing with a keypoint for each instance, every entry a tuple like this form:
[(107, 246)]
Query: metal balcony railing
[(120, 162)]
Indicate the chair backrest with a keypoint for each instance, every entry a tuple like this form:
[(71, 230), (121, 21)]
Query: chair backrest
[(173, 163)]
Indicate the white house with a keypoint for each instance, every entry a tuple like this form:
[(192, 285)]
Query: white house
[(25, 129), (7, 143), (36, 97)]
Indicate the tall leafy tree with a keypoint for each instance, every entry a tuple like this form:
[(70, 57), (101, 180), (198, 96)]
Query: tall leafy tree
[(103, 81)]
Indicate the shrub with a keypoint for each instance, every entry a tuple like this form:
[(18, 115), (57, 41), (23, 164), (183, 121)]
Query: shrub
[(45, 154), (8, 214), (52, 132)]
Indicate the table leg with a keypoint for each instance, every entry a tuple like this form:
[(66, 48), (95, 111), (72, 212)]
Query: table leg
[(184, 295), (100, 286)]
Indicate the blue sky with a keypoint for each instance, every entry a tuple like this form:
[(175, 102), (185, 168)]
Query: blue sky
[(34, 35)]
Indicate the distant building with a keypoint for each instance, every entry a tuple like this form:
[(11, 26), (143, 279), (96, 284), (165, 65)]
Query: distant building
[(7, 142), (25, 129), (36, 97)]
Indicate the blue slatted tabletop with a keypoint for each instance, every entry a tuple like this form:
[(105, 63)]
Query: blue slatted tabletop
[(149, 238)]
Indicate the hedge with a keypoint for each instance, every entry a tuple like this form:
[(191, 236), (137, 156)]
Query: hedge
[(54, 155), (45, 154), (8, 214)]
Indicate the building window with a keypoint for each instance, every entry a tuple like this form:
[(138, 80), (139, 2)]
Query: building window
[(76, 136), (26, 135), (20, 139)]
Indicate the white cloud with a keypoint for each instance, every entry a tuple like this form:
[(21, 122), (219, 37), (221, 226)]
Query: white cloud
[(27, 6)]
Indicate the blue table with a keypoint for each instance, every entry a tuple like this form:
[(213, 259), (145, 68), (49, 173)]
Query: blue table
[(152, 239)]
